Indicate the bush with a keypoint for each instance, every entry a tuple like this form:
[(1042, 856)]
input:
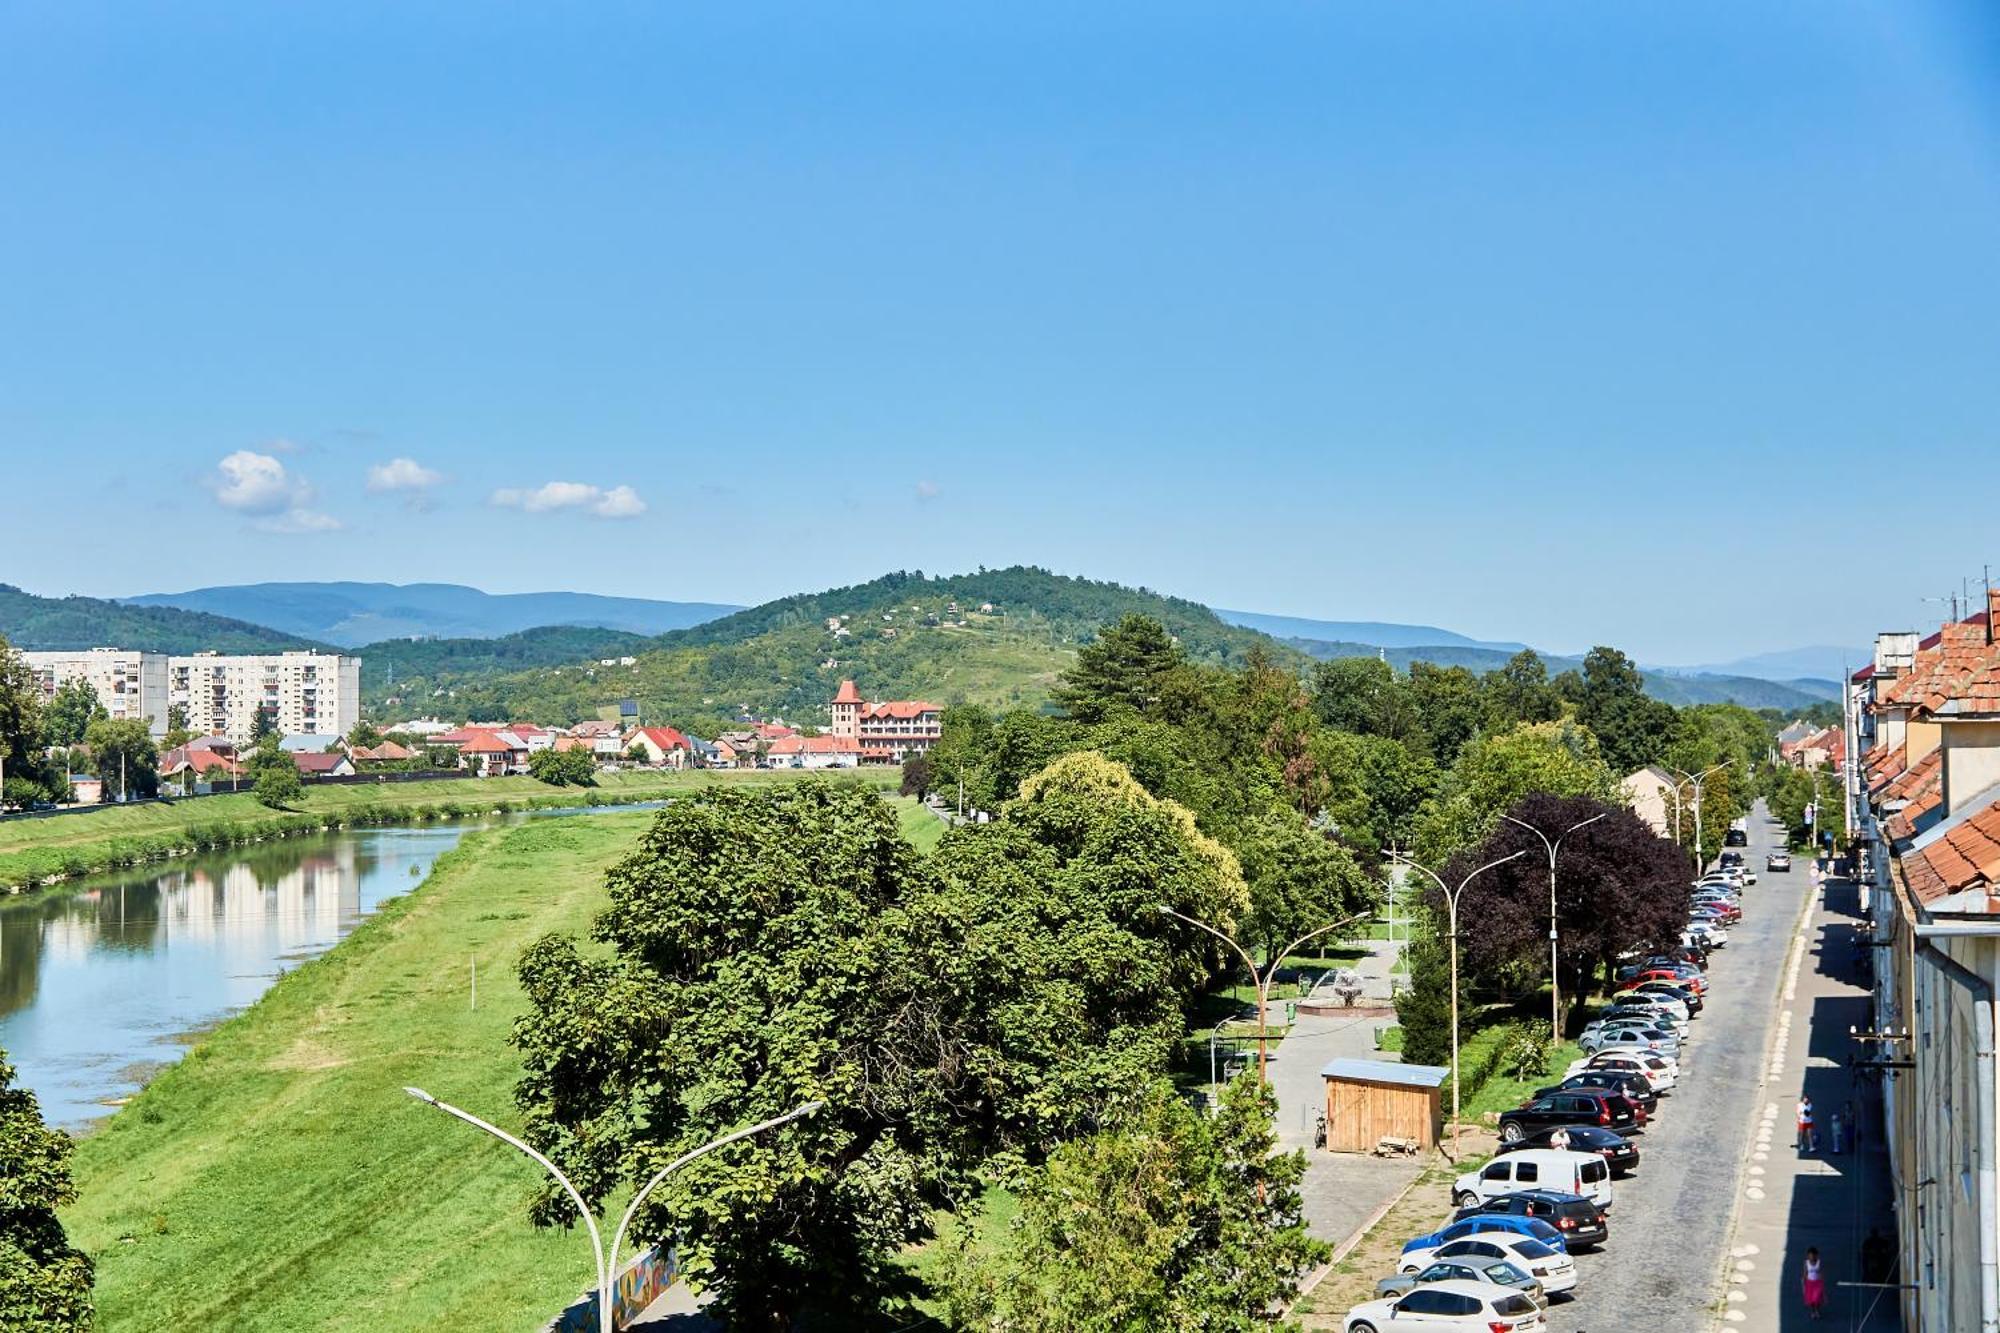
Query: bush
[(279, 787), (563, 768)]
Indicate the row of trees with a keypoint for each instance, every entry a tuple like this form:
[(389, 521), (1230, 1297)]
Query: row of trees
[(1003, 1009)]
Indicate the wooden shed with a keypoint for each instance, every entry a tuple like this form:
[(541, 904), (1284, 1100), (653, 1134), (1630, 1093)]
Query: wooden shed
[(1370, 1100)]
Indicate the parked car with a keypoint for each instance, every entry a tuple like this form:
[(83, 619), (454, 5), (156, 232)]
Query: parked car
[(1474, 1307), (1633, 1087), (1581, 1221), (1736, 837), (1730, 858), (1778, 862), (1618, 1152), (1673, 989), (1695, 983), (1499, 1272), (1661, 1073), (1555, 1269), (1629, 1038), (1536, 1169), (1481, 1224), (1670, 1005), (1578, 1106)]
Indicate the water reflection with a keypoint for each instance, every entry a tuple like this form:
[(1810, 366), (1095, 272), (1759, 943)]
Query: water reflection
[(99, 985)]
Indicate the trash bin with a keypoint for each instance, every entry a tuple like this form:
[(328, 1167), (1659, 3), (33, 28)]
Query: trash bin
[(1291, 1012)]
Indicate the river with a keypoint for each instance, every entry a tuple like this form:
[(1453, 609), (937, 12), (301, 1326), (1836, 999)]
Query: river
[(104, 982)]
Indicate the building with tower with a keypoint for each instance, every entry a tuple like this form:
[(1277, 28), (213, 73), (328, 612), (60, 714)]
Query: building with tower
[(888, 732)]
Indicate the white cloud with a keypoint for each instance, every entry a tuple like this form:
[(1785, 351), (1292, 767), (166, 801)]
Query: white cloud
[(618, 502), (259, 486), (402, 474)]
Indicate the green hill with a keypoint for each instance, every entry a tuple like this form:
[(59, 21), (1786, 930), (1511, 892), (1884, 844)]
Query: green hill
[(32, 622), (392, 661), (998, 637)]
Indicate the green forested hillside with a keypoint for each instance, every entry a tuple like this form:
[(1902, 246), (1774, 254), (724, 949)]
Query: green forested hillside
[(31, 622), (907, 635), (392, 661)]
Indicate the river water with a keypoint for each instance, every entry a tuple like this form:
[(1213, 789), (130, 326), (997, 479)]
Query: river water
[(104, 982)]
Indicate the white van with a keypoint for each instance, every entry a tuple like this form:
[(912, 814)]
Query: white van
[(1582, 1173)]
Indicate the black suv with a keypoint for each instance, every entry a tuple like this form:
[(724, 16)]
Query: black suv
[(1581, 1222), (1635, 1088), (1617, 1152), (1608, 1110)]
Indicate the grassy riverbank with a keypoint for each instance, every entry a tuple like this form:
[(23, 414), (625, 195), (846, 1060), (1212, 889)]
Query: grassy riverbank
[(35, 851)]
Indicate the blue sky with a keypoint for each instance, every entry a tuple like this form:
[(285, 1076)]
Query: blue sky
[(1561, 322)]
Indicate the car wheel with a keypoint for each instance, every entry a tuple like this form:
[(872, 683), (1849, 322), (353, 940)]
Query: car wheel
[(1465, 1199), (1510, 1133), (1363, 1327)]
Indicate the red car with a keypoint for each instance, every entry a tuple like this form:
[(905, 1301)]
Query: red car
[(1695, 982)]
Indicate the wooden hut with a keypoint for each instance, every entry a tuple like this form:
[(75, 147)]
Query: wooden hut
[(1368, 1101)]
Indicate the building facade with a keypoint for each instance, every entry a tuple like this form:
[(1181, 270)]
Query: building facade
[(129, 683), (297, 691), (888, 733)]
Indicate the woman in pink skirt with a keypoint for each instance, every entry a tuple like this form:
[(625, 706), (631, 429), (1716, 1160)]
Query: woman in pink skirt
[(1815, 1284)]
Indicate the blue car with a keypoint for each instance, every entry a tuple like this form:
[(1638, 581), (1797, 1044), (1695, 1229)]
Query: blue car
[(1472, 1226)]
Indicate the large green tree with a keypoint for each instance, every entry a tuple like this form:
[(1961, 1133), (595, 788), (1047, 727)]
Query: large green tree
[(44, 1283), (1124, 669), (123, 752), (1299, 880), (1520, 692), (1632, 728), (1172, 1220), (21, 727), (71, 710), (1497, 770), (1364, 695)]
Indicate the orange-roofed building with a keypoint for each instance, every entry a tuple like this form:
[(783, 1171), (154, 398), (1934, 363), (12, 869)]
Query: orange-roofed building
[(888, 732)]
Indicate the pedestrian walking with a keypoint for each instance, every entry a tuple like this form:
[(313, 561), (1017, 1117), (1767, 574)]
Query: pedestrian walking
[(1839, 1127), (1808, 1142), (1814, 1284)]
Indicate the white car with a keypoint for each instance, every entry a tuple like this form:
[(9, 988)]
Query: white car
[(1470, 1307), (1661, 1073), (1558, 1169), (1666, 1005)]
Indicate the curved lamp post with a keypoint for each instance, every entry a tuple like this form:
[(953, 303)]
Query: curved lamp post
[(1261, 982), (1555, 983), (607, 1264), (1451, 897), (1695, 780)]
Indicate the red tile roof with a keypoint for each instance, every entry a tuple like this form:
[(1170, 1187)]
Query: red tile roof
[(815, 745), (1921, 787), (848, 694), (666, 738), (1960, 650), (485, 742), (1965, 857), (900, 708)]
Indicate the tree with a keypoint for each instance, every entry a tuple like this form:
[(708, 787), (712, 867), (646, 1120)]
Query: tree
[(916, 777), (178, 733), (1423, 1006), (1632, 729), (1619, 886), (1450, 706), (1175, 1220), (1495, 771), (266, 724), (44, 1283), (70, 712), (1364, 695), (562, 768), (1520, 692), (1122, 670), (1298, 880), (21, 729), (274, 774), (364, 736), (122, 750)]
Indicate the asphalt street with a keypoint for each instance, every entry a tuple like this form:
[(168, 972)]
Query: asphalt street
[(1663, 1268)]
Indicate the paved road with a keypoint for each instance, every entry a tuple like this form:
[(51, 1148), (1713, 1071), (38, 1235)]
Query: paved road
[(1663, 1267)]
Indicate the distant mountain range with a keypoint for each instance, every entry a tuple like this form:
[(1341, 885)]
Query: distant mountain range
[(352, 614), (59, 623), (1372, 633)]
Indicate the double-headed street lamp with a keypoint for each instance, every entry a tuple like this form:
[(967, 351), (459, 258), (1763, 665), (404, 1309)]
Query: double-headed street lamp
[(1261, 981), (1695, 780), (607, 1264), (1555, 981), (1451, 897)]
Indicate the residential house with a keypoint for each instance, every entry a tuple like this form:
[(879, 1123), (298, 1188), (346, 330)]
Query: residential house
[(197, 769), (1654, 796), (490, 756), (388, 752), (826, 751), (319, 764), (664, 747)]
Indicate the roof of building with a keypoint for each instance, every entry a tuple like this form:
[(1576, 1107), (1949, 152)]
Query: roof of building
[(487, 742), (198, 758), (1961, 648), (666, 738), (1961, 851), (385, 752), (1917, 792), (785, 745), (848, 694), (305, 741), (899, 708), (312, 761), (1385, 1071)]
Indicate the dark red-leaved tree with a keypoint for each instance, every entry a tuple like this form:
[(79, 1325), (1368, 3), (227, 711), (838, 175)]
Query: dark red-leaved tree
[(1619, 886)]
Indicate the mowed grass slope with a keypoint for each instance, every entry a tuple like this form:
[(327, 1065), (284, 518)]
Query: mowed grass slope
[(279, 1178)]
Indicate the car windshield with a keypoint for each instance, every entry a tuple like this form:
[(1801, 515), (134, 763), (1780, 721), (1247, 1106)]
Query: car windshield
[(1502, 1274)]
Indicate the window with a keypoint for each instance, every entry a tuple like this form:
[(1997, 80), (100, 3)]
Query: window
[(1421, 1301), (1513, 1305), (1530, 1248), (1595, 1170), (1497, 1171), (1527, 1172)]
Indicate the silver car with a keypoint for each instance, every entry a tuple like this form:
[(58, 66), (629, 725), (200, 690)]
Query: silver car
[(1499, 1272)]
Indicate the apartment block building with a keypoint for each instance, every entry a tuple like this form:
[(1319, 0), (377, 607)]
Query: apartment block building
[(130, 684), (298, 691)]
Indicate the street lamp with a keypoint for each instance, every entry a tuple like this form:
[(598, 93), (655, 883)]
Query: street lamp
[(607, 1264), (1451, 897), (1262, 982), (1555, 983), (1695, 780)]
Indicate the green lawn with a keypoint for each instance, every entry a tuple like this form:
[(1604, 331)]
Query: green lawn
[(919, 825), (70, 845)]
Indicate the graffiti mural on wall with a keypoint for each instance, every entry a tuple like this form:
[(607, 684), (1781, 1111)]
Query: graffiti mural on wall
[(644, 1280)]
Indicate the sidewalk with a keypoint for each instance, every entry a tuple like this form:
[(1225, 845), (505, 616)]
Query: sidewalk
[(1790, 1200)]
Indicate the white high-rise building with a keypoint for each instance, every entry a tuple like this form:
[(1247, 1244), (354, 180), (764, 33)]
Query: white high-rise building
[(300, 691), (129, 683)]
